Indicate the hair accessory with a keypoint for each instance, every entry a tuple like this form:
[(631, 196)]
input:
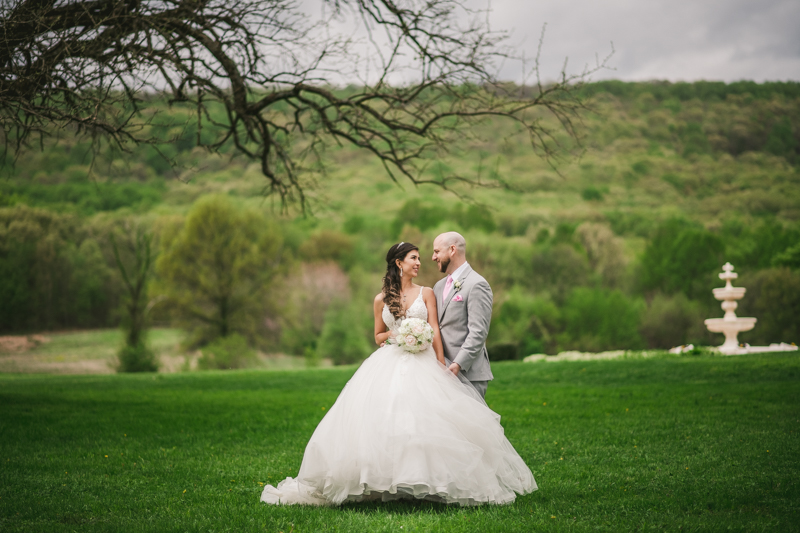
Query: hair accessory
[(401, 244)]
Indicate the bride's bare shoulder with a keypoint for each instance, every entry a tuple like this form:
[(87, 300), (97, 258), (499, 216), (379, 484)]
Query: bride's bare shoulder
[(379, 298)]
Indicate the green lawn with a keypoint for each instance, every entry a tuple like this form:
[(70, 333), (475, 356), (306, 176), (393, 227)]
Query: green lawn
[(693, 443)]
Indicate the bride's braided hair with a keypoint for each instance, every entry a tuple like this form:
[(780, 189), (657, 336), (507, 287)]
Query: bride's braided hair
[(391, 281)]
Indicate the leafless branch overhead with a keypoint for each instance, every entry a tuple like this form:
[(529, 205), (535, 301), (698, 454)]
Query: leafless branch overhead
[(263, 76)]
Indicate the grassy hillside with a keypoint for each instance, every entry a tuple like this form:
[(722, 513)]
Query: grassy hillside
[(668, 182), (695, 443)]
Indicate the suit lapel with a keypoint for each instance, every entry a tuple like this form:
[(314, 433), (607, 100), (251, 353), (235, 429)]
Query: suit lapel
[(452, 294)]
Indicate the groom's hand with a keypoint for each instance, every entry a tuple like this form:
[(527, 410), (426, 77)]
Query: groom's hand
[(454, 368)]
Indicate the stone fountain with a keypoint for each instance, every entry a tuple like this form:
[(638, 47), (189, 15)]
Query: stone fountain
[(731, 325)]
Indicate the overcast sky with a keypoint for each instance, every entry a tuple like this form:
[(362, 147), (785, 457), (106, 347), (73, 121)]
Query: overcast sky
[(676, 40)]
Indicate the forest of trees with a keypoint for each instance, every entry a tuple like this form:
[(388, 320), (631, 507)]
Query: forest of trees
[(617, 249)]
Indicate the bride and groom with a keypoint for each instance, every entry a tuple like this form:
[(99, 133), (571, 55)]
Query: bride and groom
[(415, 425)]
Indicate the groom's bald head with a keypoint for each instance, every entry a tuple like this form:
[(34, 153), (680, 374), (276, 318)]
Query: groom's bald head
[(451, 238), (449, 251)]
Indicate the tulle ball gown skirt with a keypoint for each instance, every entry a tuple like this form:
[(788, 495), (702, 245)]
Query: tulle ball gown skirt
[(405, 427)]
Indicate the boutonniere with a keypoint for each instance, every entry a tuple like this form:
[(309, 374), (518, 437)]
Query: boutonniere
[(457, 285)]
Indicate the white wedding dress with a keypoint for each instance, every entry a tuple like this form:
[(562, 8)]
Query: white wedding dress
[(406, 427)]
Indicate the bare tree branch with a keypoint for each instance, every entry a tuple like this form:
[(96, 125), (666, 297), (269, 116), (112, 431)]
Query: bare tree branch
[(89, 65)]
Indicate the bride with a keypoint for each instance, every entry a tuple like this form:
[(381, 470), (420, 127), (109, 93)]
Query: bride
[(404, 426)]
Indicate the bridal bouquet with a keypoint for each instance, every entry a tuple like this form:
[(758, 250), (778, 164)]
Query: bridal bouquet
[(414, 335)]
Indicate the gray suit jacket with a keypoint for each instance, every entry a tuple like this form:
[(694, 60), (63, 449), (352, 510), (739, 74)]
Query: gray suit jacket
[(465, 324)]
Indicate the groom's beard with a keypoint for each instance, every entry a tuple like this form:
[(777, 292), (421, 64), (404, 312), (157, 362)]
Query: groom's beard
[(443, 264)]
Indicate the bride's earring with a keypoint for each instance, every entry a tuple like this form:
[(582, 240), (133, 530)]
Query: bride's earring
[(401, 272)]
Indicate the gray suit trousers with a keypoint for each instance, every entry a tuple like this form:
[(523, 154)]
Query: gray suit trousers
[(481, 387)]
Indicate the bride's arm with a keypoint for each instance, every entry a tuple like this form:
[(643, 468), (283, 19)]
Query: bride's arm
[(433, 320), (381, 333)]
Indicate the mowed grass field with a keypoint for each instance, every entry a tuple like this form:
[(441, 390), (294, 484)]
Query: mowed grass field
[(671, 443)]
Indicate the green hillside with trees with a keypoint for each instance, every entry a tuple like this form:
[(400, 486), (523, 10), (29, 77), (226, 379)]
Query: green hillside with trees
[(615, 243)]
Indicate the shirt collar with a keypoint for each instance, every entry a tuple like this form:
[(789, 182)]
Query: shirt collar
[(459, 271)]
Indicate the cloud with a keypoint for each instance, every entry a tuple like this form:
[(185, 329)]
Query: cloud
[(678, 40)]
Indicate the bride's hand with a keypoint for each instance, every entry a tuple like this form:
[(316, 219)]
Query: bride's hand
[(391, 336)]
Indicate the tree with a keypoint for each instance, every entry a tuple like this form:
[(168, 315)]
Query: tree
[(52, 273), (261, 79), (135, 356), (343, 337), (681, 257), (599, 319), (217, 269)]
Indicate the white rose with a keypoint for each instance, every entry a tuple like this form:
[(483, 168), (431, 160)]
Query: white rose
[(411, 340)]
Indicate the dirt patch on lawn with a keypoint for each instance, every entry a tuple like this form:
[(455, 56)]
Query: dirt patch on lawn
[(94, 352), (27, 364), (20, 343)]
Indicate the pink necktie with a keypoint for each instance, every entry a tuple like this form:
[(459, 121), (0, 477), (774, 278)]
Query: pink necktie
[(447, 287)]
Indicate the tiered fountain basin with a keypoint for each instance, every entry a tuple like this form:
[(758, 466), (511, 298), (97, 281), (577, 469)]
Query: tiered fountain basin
[(731, 325), (731, 328), (729, 293)]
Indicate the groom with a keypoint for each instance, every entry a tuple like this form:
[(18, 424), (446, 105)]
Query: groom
[(464, 299)]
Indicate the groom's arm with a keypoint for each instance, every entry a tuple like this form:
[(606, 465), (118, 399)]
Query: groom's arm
[(479, 316)]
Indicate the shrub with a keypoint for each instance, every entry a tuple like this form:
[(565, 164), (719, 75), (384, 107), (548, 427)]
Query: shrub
[(558, 269), (641, 167), (605, 251), (473, 216), (681, 257), (138, 358), (773, 297), (596, 320), (326, 245), (591, 193), (673, 321), (694, 140), (305, 298), (522, 325), (761, 245), (421, 215), (781, 140), (788, 258), (504, 352), (227, 353), (630, 223), (343, 337)]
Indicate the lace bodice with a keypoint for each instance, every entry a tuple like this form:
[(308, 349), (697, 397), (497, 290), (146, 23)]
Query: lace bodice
[(418, 309)]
